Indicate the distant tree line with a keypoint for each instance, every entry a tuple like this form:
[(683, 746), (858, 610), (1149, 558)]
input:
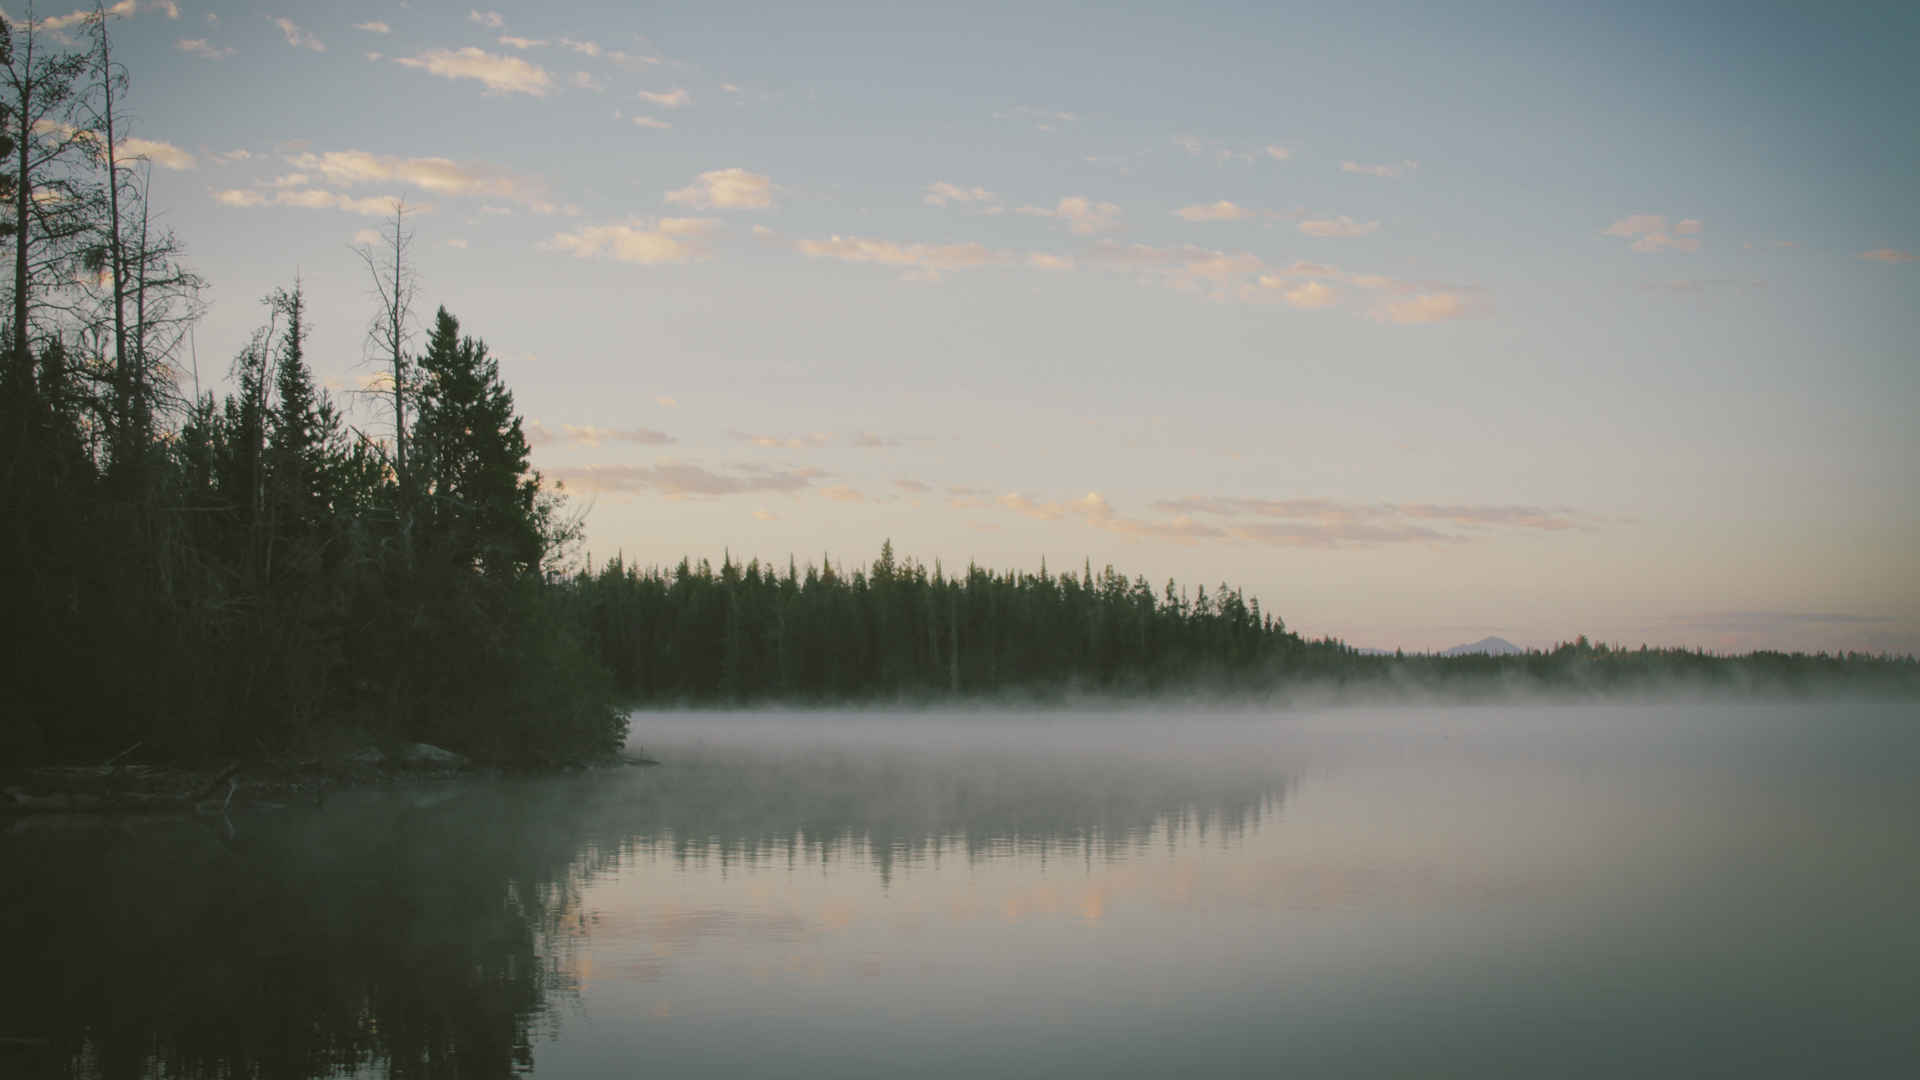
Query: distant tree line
[(899, 630)]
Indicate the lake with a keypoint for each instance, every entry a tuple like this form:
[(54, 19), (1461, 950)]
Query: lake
[(1694, 889)]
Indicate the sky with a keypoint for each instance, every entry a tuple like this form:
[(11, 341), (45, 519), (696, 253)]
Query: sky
[(1418, 322)]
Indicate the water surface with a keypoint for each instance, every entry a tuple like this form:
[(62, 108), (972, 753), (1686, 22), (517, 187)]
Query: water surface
[(1692, 890)]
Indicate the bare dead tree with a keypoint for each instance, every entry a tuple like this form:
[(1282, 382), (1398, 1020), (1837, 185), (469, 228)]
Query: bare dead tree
[(394, 286), (49, 205)]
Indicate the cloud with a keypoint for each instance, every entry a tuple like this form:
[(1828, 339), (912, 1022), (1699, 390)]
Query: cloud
[(1319, 522), (297, 37), (665, 402), (676, 479), (1219, 211), (1083, 216), (1041, 119), (651, 122), (1279, 153), (668, 240), (122, 9), (367, 238), (513, 42), (1310, 296), (232, 156), (915, 486), (239, 197), (926, 259), (374, 27), (440, 176), (941, 193), (867, 440), (202, 48), (1338, 227), (1649, 233), (584, 80), (1888, 255), (1093, 509), (492, 20), (316, 199), (842, 493), (164, 154), (594, 436), (789, 442), (726, 189), (668, 99), (765, 515), (1389, 170), (1041, 260), (1427, 308), (499, 74)]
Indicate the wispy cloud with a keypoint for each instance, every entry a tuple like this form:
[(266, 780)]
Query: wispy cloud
[(1429, 307), (1278, 153), (492, 20), (589, 435), (374, 27), (1321, 522), (1888, 255), (668, 99), (310, 199), (1338, 227), (513, 42), (1048, 120), (202, 48), (1082, 215), (297, 37), (812, 441), (1216, 211), (499, 74), (1389, 171), (941, 193), (926, 259), (440, 176), (842, 493), (726, 189), (668, 240), (677, 479), (1649, 233), (164, 154), (653, 123)]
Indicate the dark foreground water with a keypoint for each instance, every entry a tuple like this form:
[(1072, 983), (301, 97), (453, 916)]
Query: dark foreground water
[(1545, 891)]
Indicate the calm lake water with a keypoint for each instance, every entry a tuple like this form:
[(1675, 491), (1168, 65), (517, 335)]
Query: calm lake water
[(1550, 891)]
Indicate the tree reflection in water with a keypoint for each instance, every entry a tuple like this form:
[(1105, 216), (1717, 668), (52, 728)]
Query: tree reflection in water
[(428, 932)]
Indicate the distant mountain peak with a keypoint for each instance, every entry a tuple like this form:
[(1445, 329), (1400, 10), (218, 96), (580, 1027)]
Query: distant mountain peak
[(1490, 646)]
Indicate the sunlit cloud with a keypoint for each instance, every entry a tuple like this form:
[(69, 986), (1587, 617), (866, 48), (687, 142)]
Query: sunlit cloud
[(811, 441), (1048, 120), (726, 189), (676, 479), (374, 27), (513, 42), (668, 240), (1216, 211), (164, 154), (202, 48), (1309, 296), (298, 37), (1427, 308), (1338, 227), (941, 193), (1082, 216), (492, 20), (1279, 153), (1323, 522), (1389, 170), (652, 123), (930, 259), (499, 74), (842, 493), (587, 435), (1888, 255), (1041, 260), (1649, 233), (668, 99)]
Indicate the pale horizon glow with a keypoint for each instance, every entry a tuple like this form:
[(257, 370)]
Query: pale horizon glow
[(1419, 325)]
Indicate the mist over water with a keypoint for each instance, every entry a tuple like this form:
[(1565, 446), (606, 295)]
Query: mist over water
[(1576, 889)]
